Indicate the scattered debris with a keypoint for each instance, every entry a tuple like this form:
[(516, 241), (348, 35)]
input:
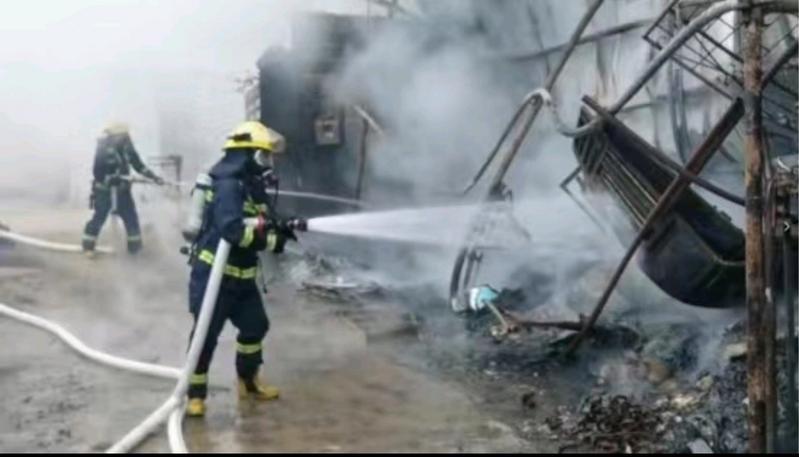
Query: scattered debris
[(657, 371), (735, 351), (614, 424), (705, 383), (338, 287), (328, 278), (684, 401)]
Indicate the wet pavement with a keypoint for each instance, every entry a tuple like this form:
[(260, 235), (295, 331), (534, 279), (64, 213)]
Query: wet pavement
[(340, 392), (378, 370)]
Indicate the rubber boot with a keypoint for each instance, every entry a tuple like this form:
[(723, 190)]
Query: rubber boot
[(134, 247), (256, 389), (195, 407)]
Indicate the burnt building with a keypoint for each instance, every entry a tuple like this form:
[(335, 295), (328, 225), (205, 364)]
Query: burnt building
[(294, 97)]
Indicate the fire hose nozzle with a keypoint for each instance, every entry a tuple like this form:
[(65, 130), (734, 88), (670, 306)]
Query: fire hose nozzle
[(298, 223)]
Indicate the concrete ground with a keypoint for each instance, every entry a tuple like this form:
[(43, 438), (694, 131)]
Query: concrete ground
[(340, 392)]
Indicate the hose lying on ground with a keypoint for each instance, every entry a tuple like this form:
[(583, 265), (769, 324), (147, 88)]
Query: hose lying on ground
[(149, 369), (49, 245), (174, 432), (172, 408), (173, 405)]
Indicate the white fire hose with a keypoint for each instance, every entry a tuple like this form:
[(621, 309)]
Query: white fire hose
[(49, 245), (173, 406), (174, 432), (149, 369)]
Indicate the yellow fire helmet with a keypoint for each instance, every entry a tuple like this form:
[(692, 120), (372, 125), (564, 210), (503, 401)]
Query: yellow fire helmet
[(255, 135), (116, 128)]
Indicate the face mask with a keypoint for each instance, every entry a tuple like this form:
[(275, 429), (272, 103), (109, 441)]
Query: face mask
[(263, 159), (264, 168)]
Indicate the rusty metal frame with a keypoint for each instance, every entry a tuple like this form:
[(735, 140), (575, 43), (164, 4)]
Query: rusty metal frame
[(664, 204), (684, 175)]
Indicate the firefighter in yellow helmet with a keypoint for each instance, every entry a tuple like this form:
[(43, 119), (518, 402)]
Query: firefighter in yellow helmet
[(111, 188), (237, 192)]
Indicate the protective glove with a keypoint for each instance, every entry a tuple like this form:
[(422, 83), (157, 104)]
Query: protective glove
[(279, 231), (158, 180)]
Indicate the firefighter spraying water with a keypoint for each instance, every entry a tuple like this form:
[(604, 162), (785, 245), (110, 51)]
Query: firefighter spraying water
[(111, 188), (225, 200)]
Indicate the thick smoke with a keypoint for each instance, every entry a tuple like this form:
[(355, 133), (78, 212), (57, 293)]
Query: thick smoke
[(169, 69), (442, 106), (441, 83), (444, 88)]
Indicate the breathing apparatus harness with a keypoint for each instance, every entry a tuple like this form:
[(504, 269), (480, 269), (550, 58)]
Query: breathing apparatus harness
[(199, 218)]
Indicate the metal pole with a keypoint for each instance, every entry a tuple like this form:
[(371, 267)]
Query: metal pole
[(770, 318), (362, 159), (593, 37), (757, 319), (782, 189), (789, 277), (550, 82)]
